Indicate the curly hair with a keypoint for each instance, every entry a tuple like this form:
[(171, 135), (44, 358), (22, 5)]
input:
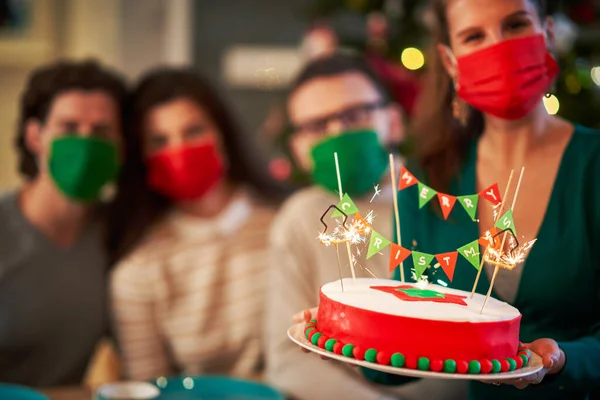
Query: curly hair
[(48, 82)]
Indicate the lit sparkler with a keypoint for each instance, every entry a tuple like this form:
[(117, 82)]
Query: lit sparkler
[(377, 193)]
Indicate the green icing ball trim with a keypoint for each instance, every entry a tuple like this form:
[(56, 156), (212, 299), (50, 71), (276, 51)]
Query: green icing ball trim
[(397, 360), (371, 355), (329, 344), (314, 321), (525, 359), (423, 364), (475, 367), (308, 331), (496, 366), (512, 364), (347, 350), (450, 366), (315, 338)]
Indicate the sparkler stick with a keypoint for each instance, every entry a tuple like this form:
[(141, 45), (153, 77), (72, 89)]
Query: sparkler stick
[(335, 242), (497, 267), (396, 213), (339, 179), (337, 253), (495, 220)]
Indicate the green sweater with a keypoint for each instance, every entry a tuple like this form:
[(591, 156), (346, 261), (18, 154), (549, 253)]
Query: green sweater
[(559, 291)]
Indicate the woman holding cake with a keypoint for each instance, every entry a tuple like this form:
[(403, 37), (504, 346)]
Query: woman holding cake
[(189, 235), (482, 115)]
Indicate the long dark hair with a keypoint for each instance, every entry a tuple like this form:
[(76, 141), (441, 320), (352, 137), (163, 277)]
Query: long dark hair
[(136, 207), (442, 141)]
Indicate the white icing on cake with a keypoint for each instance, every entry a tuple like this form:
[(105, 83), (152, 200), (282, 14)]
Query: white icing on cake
[(360, 295)]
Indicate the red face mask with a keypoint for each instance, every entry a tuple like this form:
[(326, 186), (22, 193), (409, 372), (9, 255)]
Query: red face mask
[(508, 79), (185, 173)]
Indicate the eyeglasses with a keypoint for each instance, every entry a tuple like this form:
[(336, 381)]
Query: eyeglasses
[(357, 116)]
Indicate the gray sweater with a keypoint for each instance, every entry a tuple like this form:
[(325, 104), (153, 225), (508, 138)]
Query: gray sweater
[(52, 302)]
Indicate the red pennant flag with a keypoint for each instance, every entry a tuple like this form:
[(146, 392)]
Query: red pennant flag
[(406, 179), (492, 194), (446, 202), (448, 263), (397, 255)]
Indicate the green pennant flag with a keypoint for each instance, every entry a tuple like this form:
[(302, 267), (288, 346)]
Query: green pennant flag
[(376, 244), (346, 205), (507, 222), (469, 203), (421, 261), (471, 253), (425, 194)]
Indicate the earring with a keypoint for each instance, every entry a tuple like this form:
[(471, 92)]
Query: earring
[(460, 110)]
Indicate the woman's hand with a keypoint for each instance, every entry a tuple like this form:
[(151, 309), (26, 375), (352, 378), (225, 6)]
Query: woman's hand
[(553, 359)]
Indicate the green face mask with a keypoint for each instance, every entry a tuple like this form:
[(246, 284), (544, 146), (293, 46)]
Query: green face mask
[(81, 166), (362, 159)]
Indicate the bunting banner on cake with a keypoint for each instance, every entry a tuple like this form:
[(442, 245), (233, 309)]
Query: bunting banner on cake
[(506, 222), (492, 194), (406, 179), (448, 263), (448, 260), (425, 194), (346, 205), (471, 253), (397, 255), (421, 261), (469, 203), (447, 202), (376, 244)]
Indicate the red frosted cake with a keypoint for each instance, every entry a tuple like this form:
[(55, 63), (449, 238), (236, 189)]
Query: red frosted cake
[(426, 327)]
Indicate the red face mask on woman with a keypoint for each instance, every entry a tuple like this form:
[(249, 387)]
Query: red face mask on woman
[(185, 173), (508, 79)]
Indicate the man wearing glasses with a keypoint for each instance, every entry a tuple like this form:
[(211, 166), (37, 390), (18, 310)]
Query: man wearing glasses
[(337, 104)]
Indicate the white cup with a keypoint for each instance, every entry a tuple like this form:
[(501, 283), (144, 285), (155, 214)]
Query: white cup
[(127, 391)]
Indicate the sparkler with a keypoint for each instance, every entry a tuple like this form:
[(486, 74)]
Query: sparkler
[(377, 193), (339, 179), (515, 256), (497, 211)]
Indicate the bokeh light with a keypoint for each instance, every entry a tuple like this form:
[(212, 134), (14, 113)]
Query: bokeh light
[(552, 104), (596, 75), (412, 58)]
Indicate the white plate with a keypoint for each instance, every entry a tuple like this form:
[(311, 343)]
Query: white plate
[(296, 334)]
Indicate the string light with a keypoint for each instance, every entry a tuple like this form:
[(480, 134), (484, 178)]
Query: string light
[(412, 58)]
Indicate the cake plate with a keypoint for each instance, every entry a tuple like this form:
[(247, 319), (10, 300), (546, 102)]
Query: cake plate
[(296, 334)]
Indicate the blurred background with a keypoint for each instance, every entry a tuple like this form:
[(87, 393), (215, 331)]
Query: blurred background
[(252, 48)]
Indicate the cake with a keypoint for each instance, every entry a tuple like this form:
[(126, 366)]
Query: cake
[(417, 326)]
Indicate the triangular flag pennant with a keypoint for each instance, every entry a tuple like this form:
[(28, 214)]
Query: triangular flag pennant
[(471, 253), (421, 261), (448, 263), (346, 205), (492, 194), (446, 202), (376, 244), (406, 179), (469, 203), (360, 223), (425, 194), (507, 222), (397, 255), (490, 239)]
